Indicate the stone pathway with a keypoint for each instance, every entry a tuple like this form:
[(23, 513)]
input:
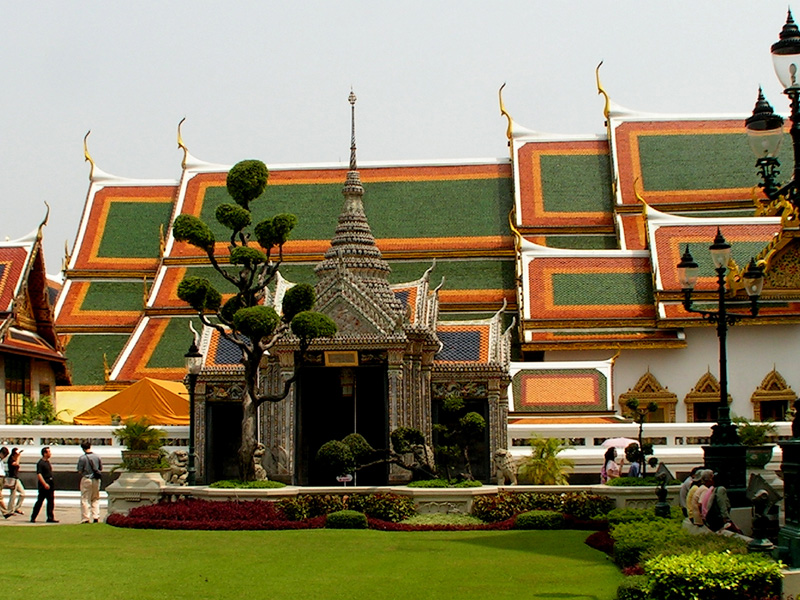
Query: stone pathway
[(67, 510)]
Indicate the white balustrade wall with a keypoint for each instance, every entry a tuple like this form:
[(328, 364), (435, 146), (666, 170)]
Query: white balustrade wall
[(678, 445)]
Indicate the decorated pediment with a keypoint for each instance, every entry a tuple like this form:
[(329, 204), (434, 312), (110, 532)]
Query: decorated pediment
[(649, 389)]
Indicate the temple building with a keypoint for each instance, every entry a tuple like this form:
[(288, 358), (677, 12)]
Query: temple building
[(541, 287), (31, 361)]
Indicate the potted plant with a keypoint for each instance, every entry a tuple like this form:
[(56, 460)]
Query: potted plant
[(144, 445), (753, 436)]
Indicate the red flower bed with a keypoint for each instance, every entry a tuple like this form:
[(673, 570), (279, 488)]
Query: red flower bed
[(208, 515)]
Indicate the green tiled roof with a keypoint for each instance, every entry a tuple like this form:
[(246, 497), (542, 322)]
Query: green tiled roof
[(174, 343), (477, 207), (85, 356), (582, 242), (132, 229), (699, 162), (462, 274), (114, 295), (576, 183), (575, 289)]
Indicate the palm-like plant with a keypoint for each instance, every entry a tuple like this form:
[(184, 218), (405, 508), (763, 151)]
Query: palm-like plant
[(544, 466), (139, 435)]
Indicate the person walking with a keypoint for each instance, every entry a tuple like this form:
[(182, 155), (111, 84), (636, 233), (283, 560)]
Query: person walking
[(90, 467), (3, 454), (47, 488), (18, 491)]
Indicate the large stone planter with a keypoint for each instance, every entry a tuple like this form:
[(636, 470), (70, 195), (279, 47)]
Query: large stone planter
[(141, 461), (757, 457), (132, 490)]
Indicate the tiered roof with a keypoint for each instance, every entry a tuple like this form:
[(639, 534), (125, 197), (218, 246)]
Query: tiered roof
[(26, 315), (120, 298)]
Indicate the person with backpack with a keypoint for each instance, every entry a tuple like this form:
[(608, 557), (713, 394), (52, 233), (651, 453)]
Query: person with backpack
[(91, 469)]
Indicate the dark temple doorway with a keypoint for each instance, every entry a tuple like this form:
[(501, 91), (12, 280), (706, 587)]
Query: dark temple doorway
[(333, 403), (223, 438)]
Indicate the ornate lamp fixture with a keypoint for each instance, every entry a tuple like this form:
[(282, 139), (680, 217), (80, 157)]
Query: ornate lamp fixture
[(725, 455), (765, 128), (194, 364)]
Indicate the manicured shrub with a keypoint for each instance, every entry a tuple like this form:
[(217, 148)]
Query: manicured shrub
[(581, 505), (634, 587), (389, 526), (601, 540), (386, 507), (246, 181), (245, 255), (627, 515), (306, 506), (188, 228), (346, 519), (715, 576), (198, 293), (636, 537), (308, 325), (443, 519), (650, 480), (256, 322), (297, 299), (232, 216), (238, 484), (444, 483), (705, 544), (539, 519)]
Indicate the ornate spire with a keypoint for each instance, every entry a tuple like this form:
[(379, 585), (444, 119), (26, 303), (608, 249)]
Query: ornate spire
[(353, 247)]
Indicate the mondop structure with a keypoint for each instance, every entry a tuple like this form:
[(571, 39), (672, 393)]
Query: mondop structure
[(562, 256)]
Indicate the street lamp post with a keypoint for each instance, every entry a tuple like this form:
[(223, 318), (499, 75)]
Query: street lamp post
[(765, 130), (194, 364), (725, 455)]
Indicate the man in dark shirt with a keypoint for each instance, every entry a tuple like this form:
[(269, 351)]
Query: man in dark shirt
[(44, 474)]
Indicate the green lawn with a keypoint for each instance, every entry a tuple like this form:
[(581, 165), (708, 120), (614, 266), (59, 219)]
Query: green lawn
[(87, 562)]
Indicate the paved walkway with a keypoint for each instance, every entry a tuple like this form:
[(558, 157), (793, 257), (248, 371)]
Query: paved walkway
[(67, 510)]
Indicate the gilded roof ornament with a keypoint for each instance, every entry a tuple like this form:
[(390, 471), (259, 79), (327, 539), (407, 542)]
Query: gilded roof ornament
[(181, 145), (67, 256), (43, 223), (504, 113), (601, 90), (86, 155)]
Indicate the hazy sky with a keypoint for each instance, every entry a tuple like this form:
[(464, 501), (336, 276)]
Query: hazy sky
[(269, 80)]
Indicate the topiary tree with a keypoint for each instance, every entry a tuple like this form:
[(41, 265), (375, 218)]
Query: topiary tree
[(243, 319), (456, 439)]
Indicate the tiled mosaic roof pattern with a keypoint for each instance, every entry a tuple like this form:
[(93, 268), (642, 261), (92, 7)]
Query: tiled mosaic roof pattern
[(12, 264), (463, 343), (122, 228), (586, 287), (663, 156), (85, 355), (157, 349), (409, 208), (564, 184), (670, 242), (101, 304), (221, 352), (559, 390)]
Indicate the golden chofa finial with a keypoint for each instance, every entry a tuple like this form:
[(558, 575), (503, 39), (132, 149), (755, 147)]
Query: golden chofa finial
[(181, 145), (86, 155), (601, 90), (504, 113)]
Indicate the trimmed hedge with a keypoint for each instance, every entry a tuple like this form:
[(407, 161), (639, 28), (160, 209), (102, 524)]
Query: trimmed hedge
[(716, 576), (634, 587), (346, 519), (227, 484), (539, 519), (444, 483), (387, 507), (580, 505), (634, 538)]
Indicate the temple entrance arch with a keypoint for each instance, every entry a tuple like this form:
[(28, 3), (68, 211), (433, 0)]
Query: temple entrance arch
[(334, 402)]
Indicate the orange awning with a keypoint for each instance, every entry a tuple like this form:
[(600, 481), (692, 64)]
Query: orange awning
[(160, 401)]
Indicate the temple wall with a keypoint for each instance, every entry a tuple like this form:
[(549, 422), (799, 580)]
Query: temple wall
[(752, 353)]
